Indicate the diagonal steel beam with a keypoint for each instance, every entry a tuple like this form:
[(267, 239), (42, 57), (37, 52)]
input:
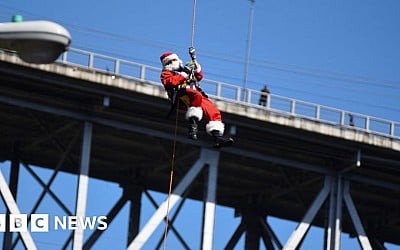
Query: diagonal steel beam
[(171, 222), (362, 236), (171, 227), (13, 208), (297, 236), (236, 236), (47, 189), (267, 228), (14, 176), (161, 212)]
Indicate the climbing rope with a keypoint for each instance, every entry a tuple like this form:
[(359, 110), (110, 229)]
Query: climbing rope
[(171, 175), (174, 143), (193, 22)]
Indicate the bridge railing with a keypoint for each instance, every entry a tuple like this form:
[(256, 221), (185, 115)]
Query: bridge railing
[(232, 93)]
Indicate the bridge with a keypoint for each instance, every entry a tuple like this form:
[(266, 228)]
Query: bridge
[(293, 160)]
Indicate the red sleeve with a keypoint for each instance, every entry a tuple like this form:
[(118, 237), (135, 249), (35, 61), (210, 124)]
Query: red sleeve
[(199, 75), (170, 80)]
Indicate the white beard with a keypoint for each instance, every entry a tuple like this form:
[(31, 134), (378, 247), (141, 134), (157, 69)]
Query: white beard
[(174, 66)]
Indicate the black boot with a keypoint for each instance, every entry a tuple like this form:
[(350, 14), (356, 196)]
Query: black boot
[(192, 134), (221, 141)]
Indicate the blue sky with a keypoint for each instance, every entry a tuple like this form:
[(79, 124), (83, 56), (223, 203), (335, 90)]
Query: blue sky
[(343, 54)]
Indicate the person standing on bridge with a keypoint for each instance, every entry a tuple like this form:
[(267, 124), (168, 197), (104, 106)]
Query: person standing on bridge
[(264, 96), (182, 85)]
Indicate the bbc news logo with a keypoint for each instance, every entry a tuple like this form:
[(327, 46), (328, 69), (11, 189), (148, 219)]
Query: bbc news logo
[(42, 223)]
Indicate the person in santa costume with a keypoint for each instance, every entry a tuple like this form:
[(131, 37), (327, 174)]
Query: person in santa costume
[(181, 83)]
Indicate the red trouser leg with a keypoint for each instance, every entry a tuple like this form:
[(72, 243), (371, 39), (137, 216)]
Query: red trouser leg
[(211, 112), (208, 110)]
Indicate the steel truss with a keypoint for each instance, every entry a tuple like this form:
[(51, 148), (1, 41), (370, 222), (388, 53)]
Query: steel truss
[(335, 192)]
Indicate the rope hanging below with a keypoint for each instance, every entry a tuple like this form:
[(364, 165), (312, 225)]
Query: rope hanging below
[(171, 178)]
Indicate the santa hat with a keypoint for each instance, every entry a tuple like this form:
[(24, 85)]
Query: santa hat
[(168, 56)]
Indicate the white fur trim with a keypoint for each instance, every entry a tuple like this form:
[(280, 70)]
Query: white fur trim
[(215, 125), (169, 58), (194, 112), (174, 66)]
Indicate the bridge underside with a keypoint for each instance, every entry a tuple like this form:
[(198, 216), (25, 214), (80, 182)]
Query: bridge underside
[(71, 125)]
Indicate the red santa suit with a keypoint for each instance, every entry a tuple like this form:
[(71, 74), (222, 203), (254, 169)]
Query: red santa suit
[(198, 106)]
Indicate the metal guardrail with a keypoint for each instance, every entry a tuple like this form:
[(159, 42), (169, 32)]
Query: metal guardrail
[(233, 93)]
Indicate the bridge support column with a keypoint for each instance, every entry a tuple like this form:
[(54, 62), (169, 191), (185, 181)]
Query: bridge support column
[(134, 194), (83, 183), (334, 230), (210, 201), (340, 191), (253, 232)]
